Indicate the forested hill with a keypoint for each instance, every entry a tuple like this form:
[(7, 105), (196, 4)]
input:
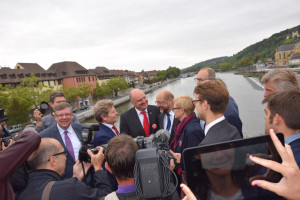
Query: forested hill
[(266, 47), (250, 55), (210, 62)]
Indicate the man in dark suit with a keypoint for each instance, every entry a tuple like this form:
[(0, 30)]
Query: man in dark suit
[(283, 115), (166, 119), (211, 102), (232, 111), (106, 114), (142, 119), (68, 135)]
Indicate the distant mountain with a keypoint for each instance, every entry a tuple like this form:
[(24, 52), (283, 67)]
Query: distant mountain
[(208, 63), (265, 48)]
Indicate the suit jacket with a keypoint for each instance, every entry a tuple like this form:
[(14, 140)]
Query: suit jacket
[(131, 124), (103, 135), (161, 125), (232, 115), (52, 132), (295, 145), (221, 132)]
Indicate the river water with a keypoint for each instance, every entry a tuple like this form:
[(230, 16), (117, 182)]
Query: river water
[(247, 93)]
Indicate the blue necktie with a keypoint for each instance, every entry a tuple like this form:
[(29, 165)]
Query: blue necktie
[(169, 122)]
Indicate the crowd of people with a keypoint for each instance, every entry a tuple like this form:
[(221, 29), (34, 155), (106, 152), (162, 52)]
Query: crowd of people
[(51, 148)]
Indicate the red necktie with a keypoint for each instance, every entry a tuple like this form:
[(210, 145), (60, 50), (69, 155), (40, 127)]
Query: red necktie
[(116, 130), (146, 124)]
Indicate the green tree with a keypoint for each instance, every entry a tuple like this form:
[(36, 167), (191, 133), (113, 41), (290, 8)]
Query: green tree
[(116, 84), (71, 93), (102, 90), (172, 72), (84, 90)]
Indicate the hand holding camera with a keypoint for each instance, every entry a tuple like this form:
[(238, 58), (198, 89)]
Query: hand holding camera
[(97, 158)]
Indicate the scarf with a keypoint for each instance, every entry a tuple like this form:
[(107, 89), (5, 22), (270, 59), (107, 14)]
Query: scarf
[(179, 128)]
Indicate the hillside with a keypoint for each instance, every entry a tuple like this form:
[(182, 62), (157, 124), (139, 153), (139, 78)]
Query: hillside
[(211, 63), (251, 54)]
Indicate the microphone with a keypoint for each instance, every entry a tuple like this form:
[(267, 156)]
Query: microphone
[(162, 136)]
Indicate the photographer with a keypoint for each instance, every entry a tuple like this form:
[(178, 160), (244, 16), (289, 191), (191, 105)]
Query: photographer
[(120, 156), (48, 163), (43, 123), (14, 156), (3, 124)]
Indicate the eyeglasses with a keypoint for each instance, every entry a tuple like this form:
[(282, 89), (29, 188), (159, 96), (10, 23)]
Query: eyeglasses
[(175, 108), (200, 79), (66, 115), (160, 102), (195, 101), (65, 153)]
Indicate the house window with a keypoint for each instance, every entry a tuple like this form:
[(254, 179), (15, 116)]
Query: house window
[(93, 78), (89, 79), (279, 55), (283, 55), (48, 83)]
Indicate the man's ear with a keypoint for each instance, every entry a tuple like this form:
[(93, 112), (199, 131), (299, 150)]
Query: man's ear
[(205, 104), (277, 119), (107, 167), (52, 161)]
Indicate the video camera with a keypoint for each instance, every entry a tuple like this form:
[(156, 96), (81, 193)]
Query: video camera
[(151, 172), (86, 140)]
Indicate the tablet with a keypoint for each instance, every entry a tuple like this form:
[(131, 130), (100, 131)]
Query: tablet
[(224, 170)]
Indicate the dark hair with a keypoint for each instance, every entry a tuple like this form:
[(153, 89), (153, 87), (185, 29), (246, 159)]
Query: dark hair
[(286, 104), (120, 156), (215, 93), (42, 154), (54, 95)]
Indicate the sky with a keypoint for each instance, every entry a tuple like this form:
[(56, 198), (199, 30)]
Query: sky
[(136, 34)]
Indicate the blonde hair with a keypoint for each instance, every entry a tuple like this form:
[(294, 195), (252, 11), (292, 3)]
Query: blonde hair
[(185, 102)]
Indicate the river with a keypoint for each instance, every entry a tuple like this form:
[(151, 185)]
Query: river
[(247, 94)]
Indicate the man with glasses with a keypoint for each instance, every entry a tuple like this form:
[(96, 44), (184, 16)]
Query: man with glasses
[(166, 119), (142, 119), (211, 99), (69, 135), (232, 111), (44, 122), (48, 164)]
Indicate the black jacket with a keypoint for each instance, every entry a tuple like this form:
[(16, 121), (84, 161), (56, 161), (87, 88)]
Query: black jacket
[(70, 188)]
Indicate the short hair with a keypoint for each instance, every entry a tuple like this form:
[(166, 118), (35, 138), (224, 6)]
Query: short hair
[(54, 95), (168, 95), (215, 93), (40, 157), (120, 156), (102, 108), (211, 72), (286, 104), (61, 106), (185, 102), (283, 79)]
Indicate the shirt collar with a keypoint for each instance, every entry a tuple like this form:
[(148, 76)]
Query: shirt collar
[(108, 125), (126, 189), (208, 126), (61, 131), (139, 112), (292, 138)]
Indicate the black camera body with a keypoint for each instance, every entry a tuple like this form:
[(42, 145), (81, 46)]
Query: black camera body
[(6, 140), (44, 106), (86, 140), (151, 171)]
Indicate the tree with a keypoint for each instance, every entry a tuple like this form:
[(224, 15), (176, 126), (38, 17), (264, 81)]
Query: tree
[(116, 84), (102, 90), (172, 72)]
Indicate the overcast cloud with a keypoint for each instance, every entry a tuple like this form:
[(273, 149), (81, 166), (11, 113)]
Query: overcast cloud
[(136, 34)]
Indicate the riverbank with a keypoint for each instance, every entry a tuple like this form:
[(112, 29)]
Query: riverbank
[(124, 99)]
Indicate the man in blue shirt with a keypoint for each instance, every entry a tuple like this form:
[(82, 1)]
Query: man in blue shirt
[(283, 115)]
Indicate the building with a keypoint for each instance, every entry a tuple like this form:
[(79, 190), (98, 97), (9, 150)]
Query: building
[(285, 52)]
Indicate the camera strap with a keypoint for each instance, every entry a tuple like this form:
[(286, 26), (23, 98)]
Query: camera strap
[(47, 190)]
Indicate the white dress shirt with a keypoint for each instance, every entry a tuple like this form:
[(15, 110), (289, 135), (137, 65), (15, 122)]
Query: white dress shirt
[(141, 116), (208, 126)]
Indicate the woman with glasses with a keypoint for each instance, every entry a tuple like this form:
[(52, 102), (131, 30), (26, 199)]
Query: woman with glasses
[(188, 132)]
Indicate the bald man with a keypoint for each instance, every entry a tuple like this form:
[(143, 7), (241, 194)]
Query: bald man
[(48, 163), (142, 119), (166, 119)]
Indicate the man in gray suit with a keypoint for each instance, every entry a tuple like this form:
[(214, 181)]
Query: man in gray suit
[(211, 102), (44, 122), (166, 119), (69, 135)]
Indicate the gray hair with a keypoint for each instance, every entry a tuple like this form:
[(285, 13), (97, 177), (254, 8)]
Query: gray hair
[(283, 79), (102, 108), (61, 106), (211, 72)]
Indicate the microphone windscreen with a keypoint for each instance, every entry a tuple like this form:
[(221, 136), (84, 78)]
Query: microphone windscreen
[(162, 136)]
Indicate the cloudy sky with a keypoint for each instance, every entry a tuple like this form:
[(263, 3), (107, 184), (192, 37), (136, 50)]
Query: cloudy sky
[(136, 34)]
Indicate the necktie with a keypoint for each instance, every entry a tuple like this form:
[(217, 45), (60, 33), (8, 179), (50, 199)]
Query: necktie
[(69, 145), (169, 122), (146, 124), (116, 130)]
